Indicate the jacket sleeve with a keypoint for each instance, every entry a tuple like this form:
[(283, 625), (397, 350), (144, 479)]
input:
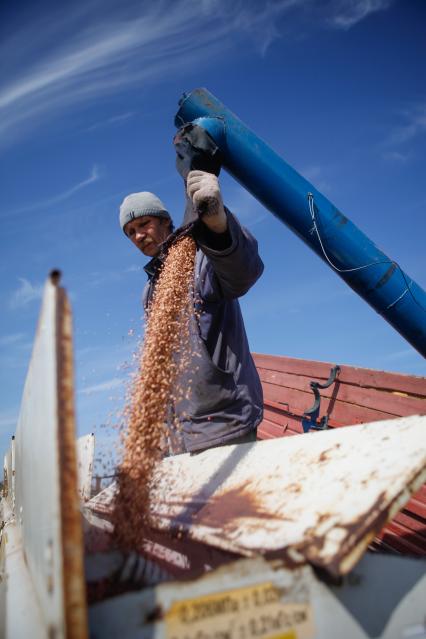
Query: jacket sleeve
[(230, 272)]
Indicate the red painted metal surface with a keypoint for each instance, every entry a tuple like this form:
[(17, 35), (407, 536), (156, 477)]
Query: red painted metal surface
[(359, 395)]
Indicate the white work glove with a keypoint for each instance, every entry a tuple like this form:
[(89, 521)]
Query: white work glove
[(204, 190)]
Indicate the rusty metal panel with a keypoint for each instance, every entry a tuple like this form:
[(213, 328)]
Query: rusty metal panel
[(85, 456), (46, 500), (320, 498), (74, 592)]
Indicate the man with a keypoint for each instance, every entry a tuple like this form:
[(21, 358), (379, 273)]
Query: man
[(226, 403)]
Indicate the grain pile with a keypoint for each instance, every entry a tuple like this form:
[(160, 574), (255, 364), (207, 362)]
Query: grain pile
[(164, 357)]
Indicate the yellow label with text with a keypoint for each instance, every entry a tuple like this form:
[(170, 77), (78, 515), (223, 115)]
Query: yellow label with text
[(255, 612)]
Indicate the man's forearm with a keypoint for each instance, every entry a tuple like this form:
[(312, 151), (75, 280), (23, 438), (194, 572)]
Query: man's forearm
[(211, 239), (238, 266)]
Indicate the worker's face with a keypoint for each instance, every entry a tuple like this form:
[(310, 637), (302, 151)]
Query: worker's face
[(147, 233)]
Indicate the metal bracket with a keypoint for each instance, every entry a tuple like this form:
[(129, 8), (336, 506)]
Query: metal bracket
[(309, 421)]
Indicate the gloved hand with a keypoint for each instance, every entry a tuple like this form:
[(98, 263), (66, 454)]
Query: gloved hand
[(204, 190)]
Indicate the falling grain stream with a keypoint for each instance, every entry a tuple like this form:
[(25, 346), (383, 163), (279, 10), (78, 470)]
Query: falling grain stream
[(164, 356)]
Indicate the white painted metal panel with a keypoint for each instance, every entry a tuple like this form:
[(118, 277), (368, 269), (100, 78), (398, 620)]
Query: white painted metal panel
[(20, 613), (37, 487), (321, 496), (46, 508), (85, 456)]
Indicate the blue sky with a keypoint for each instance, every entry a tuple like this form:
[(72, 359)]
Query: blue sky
[(87, 101)]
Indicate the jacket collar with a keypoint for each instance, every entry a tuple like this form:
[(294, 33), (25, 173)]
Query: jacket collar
[(153, 266)]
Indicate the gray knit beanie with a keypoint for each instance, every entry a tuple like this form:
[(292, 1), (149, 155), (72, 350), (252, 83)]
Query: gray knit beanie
[(140, 204)]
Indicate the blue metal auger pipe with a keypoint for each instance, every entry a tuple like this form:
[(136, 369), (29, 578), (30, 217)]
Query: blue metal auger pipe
[(292, 199)]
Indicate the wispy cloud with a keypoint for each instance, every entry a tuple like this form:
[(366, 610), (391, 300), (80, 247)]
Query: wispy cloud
[(344, 14), (11, 340), (258, 22), (396, 157), (81, 53), (59, 197), (243, 204), (25, 294), (403, 354), (110, 384), (413, 126), (397, 147), (114, 120), (315, 174), (98, 278), (102, 53)]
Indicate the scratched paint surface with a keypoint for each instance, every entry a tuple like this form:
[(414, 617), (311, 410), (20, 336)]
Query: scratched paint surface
[(321, 497)]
